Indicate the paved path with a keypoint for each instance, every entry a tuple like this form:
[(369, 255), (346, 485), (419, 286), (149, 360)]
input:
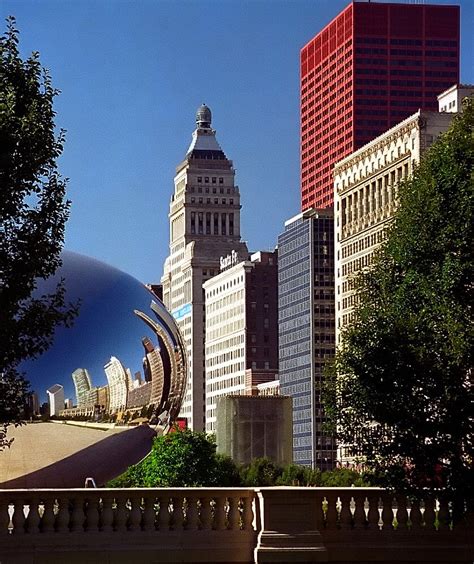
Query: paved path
[(51, 455)]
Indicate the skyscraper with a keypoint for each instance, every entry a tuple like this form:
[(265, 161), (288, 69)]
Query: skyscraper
[(371, 67), (204, 226), (241, 328), (55, 399), (306, 329), (366, 198)]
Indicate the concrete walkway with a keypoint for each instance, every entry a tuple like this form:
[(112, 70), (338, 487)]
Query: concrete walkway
[(50, 455)]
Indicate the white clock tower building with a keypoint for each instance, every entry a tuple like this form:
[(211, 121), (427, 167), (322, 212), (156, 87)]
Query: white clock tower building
[(204, 226)]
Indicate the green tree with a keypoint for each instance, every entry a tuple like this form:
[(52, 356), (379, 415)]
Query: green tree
[(403, 395), (260, 472), (181, 459), (295, 475), (33, 212)]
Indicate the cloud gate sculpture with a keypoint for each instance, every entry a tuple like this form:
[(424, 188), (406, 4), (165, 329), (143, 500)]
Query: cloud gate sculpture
[(122, 362)]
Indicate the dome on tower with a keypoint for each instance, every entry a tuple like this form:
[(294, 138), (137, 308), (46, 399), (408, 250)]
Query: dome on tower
[(203, 116)]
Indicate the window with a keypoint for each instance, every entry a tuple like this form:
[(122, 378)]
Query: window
[(214, 179), (221, 180), (199, 178), (223, 224), (206, 179)]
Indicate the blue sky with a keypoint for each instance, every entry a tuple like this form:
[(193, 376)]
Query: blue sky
[(132, 74)]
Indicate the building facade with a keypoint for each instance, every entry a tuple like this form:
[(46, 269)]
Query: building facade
[(306, 328), (372, 66), (451, 99), (55, 399), (204, 226), (366, 188), (241, 328)]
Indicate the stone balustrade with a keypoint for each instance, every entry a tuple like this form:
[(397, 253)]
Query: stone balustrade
[(229, 525)]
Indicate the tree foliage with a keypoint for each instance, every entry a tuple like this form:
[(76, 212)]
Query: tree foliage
[(189, 459), (401, 390), (33, 212), (181, 459)]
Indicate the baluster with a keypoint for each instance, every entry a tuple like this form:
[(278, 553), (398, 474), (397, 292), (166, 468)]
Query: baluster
[(91, 507), (149, 514), (247, 514), (324, 511), (338, 506), (352, 509), (10, 509), (163, 514), (380, 508), (366, 509), (394, 506), (121, 513), (234, 513), (178, 516), (422, 509), (436, 510), (62, 518), (373, 515), (135, 519), (450, 515), (18, 518), (219, 518), (76, 521), (192, 514), (205, 516), (416, 514)]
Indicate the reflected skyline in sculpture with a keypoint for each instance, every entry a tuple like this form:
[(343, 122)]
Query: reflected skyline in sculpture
[(123, 358)]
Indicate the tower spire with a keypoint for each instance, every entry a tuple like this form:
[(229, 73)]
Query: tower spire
[(203, 117)]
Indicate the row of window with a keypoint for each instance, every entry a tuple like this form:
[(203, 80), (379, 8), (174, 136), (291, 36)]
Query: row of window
[(362, 244), (213, 179), (356, 265), (207, 189), (223, 201), (403, 41), (212, 221)]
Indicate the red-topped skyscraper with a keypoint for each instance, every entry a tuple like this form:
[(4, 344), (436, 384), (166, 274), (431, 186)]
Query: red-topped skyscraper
[(372, 66)]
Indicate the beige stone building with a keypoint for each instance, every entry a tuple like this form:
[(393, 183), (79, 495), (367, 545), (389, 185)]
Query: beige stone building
[(451, 99), (204, 226), (366, 188)]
